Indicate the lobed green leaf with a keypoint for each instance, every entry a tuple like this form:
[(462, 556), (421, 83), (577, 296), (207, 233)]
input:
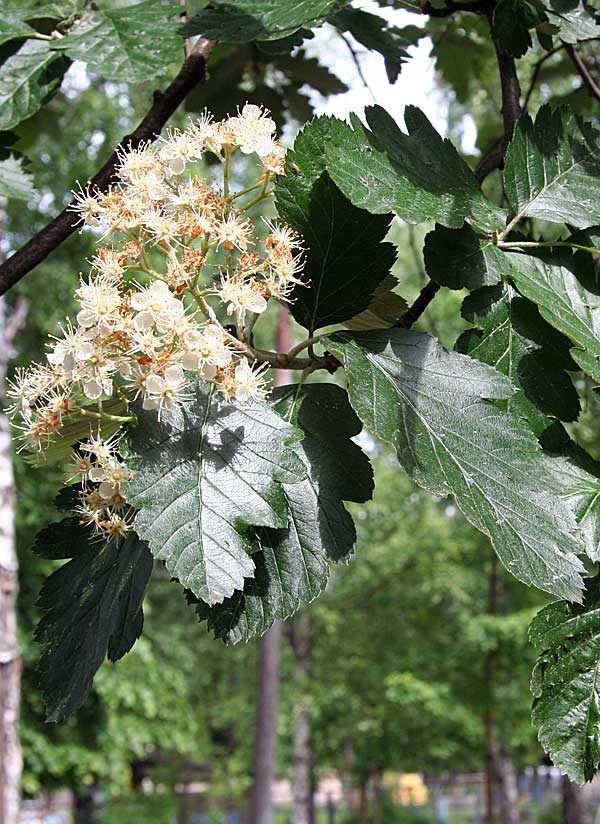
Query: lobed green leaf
[(346, 258), (206, 475), (431, 405)]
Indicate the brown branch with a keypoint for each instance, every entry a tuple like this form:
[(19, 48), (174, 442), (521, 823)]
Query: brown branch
[(511, 93), (414, 312), (493, 160), (583, 71), (191, 74)]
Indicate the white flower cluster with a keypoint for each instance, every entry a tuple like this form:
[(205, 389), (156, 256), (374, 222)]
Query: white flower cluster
[(183, 255), (103, 479)]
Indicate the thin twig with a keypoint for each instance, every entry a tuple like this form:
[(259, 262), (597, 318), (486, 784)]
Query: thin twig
[(414, 312), (191, 74), (583, 71), (536, 73), (358, 66)]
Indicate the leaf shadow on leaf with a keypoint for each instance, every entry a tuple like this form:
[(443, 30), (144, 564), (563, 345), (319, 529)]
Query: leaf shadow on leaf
[(250, 27)]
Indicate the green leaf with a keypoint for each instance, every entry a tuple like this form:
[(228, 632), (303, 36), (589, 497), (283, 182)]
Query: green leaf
[(566, 683), (575, 20), (463, 259), (565, 289), (346, 258), (28, 79), (91, 607), (15, 182), (374, 34), (577, 479), (13, 27), (64, 539), (518, 342), (430, 404), (293, 564), (205, 476), (511, 23), (247, 20), (552, 169), (384, 310), (418, 176), (136, 43)]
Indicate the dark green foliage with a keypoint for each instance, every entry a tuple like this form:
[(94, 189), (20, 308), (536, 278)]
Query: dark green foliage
[(418, 176), (346, 258), (136, 43), (565, 683), (461, 258), (28, 79), (512, 22), (91, 607), (247, 20), (552, 169), (565, 289), (514, 339)]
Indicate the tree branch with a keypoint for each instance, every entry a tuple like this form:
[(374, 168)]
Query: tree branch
[(414, 312), (191, 74), (493, 160), (583, 71), (536, 73), (511, 93)]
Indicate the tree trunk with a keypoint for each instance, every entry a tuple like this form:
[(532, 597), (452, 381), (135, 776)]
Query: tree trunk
[(10, 654), (363, 810), (265, 741), (509, 789), (300, 639), (88, 807), (377, 797), (572, 803), (488, 677), (348, 784)]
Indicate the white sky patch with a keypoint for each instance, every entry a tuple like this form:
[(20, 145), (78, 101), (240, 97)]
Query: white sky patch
[(415, 86)]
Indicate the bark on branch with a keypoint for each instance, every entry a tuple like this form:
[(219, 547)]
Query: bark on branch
[(511, 93), (583, 71), (191, 74)]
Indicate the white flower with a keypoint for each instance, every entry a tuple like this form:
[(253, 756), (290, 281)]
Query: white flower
[(111, 478), (253, 130), (242, 296), (99, 298), (206, 350), (163, 392), (156, 306), (179, 148), (87, 206), (233, 232), (248, 382)]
